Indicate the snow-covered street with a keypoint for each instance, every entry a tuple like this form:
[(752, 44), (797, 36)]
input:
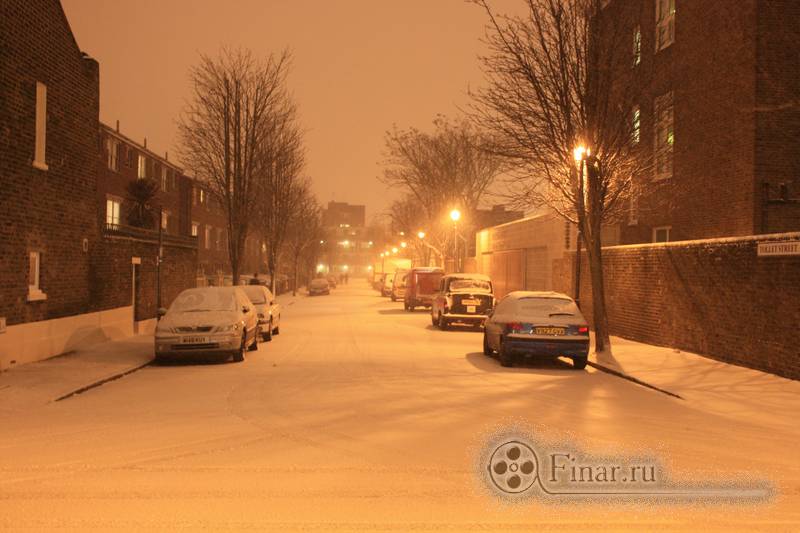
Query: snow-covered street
[(360, 416)]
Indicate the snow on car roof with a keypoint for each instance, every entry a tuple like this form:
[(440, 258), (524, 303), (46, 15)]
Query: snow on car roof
[(467, 275), (537, 294)]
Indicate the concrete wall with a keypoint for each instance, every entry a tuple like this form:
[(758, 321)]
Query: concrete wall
[(713, 297), (34, 341)]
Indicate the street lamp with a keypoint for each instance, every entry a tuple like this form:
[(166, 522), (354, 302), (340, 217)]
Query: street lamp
[(580, 153), (394, 250), (421, 234), (455, 216), (403, 244)]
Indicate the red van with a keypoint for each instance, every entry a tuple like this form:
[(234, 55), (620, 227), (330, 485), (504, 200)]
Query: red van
[(421, 284)]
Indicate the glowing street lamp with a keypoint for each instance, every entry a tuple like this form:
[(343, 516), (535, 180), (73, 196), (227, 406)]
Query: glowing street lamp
[(579, 153), (394, 250), (403, 244), (455, 215), (421, 234)]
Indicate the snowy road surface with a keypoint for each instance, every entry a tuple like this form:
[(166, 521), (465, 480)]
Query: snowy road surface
[(361, 417)]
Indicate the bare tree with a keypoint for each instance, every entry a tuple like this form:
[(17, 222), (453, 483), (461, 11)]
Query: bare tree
[(223, 129), (304, 233), (444, 169), (559, 78), (405, 215), (284, 186)]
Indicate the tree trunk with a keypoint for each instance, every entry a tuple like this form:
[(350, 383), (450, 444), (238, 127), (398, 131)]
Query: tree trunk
[(599, 312)]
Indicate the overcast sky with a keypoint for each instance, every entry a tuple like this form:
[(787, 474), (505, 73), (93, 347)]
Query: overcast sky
[(359, 66)]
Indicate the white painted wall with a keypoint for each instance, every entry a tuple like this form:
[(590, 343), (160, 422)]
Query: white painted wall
[(34, 341)]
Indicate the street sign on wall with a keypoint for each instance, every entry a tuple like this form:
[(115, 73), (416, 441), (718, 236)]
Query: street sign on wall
[(778, 248)]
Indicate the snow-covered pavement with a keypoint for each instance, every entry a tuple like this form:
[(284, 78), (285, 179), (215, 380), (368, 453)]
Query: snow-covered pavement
[(359, 416)]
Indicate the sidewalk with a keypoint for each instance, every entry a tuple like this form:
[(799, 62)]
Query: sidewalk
[(42, 382), (724, 389)]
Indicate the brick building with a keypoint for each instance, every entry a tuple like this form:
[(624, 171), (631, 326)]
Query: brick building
[(717, 114), (49, 105), (348, 245)]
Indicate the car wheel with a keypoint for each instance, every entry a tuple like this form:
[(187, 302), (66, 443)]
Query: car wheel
[(487, 350), (238, 357), (442, 322), (506, 358), (394, 298), (579, 363), (410, 308), (268, 333), (277, 330), (254, 345), (433, 319)]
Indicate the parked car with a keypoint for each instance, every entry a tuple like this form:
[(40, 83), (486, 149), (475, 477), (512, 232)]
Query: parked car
[(267, 309), (318, 286), (207, 321), (333, 280), (462, 298), (537, 323), (398, 289), (386, 288), (421, 286)]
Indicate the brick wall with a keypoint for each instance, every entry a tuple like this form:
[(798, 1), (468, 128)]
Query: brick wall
[(50, 211), (714, 298), (112, 274)]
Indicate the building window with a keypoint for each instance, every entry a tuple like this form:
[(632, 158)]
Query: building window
[(163, 178), (665, 23), (41, 127), (636, 125), (165, 215), (34, 277), (195, 229), (218, 239), (208, 238), (202, 197), (142, 170), (633, 208), (664, 136), (113, 210), (661, 234), (637, 45), (112, 150)]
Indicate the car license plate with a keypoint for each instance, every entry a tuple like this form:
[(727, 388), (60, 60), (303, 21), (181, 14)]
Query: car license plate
[(549, 331), (195, 340), (470, 309), (467, 301)]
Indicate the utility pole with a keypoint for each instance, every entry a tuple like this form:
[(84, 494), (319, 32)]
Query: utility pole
[(159, 256)]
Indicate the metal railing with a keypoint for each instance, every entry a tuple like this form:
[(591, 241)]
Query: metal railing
[(147, 234)]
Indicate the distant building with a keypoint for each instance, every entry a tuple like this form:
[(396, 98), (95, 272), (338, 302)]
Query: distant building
[(717, 114), (341, 214), (494, 216)]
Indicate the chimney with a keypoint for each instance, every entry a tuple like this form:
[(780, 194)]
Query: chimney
[(166, 156), (117, 125), (145, 143)]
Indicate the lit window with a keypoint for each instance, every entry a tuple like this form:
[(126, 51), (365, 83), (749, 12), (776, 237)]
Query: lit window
[(202, 197), (112, 211), (637, 46), (636, 126), (112, 149), (661, 234), (165, 220), (195, 229), (41, 127), (665, 23), (664, 136), (142, 172), (208, 238), (34, 277)]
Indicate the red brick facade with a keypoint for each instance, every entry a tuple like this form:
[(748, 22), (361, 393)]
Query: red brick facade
[(733, 76), (52, 211)]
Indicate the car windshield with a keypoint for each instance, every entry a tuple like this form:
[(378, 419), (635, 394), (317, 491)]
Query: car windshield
[(204, 300), (319, 283), (546, 307), (255, 293), (469, 283)]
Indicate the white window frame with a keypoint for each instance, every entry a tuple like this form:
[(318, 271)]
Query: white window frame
[(663, 136), (661, 228), (113, 210), (165, 216), (665, 23), (141, 169), (112, 158), (40, 148), (195, 229), (35, 292)]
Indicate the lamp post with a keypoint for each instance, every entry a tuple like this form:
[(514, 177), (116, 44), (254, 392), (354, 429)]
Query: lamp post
[(455, 215), (580, 153)]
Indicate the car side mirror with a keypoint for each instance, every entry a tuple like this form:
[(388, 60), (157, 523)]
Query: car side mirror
[(245, 309), (162, 311)]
